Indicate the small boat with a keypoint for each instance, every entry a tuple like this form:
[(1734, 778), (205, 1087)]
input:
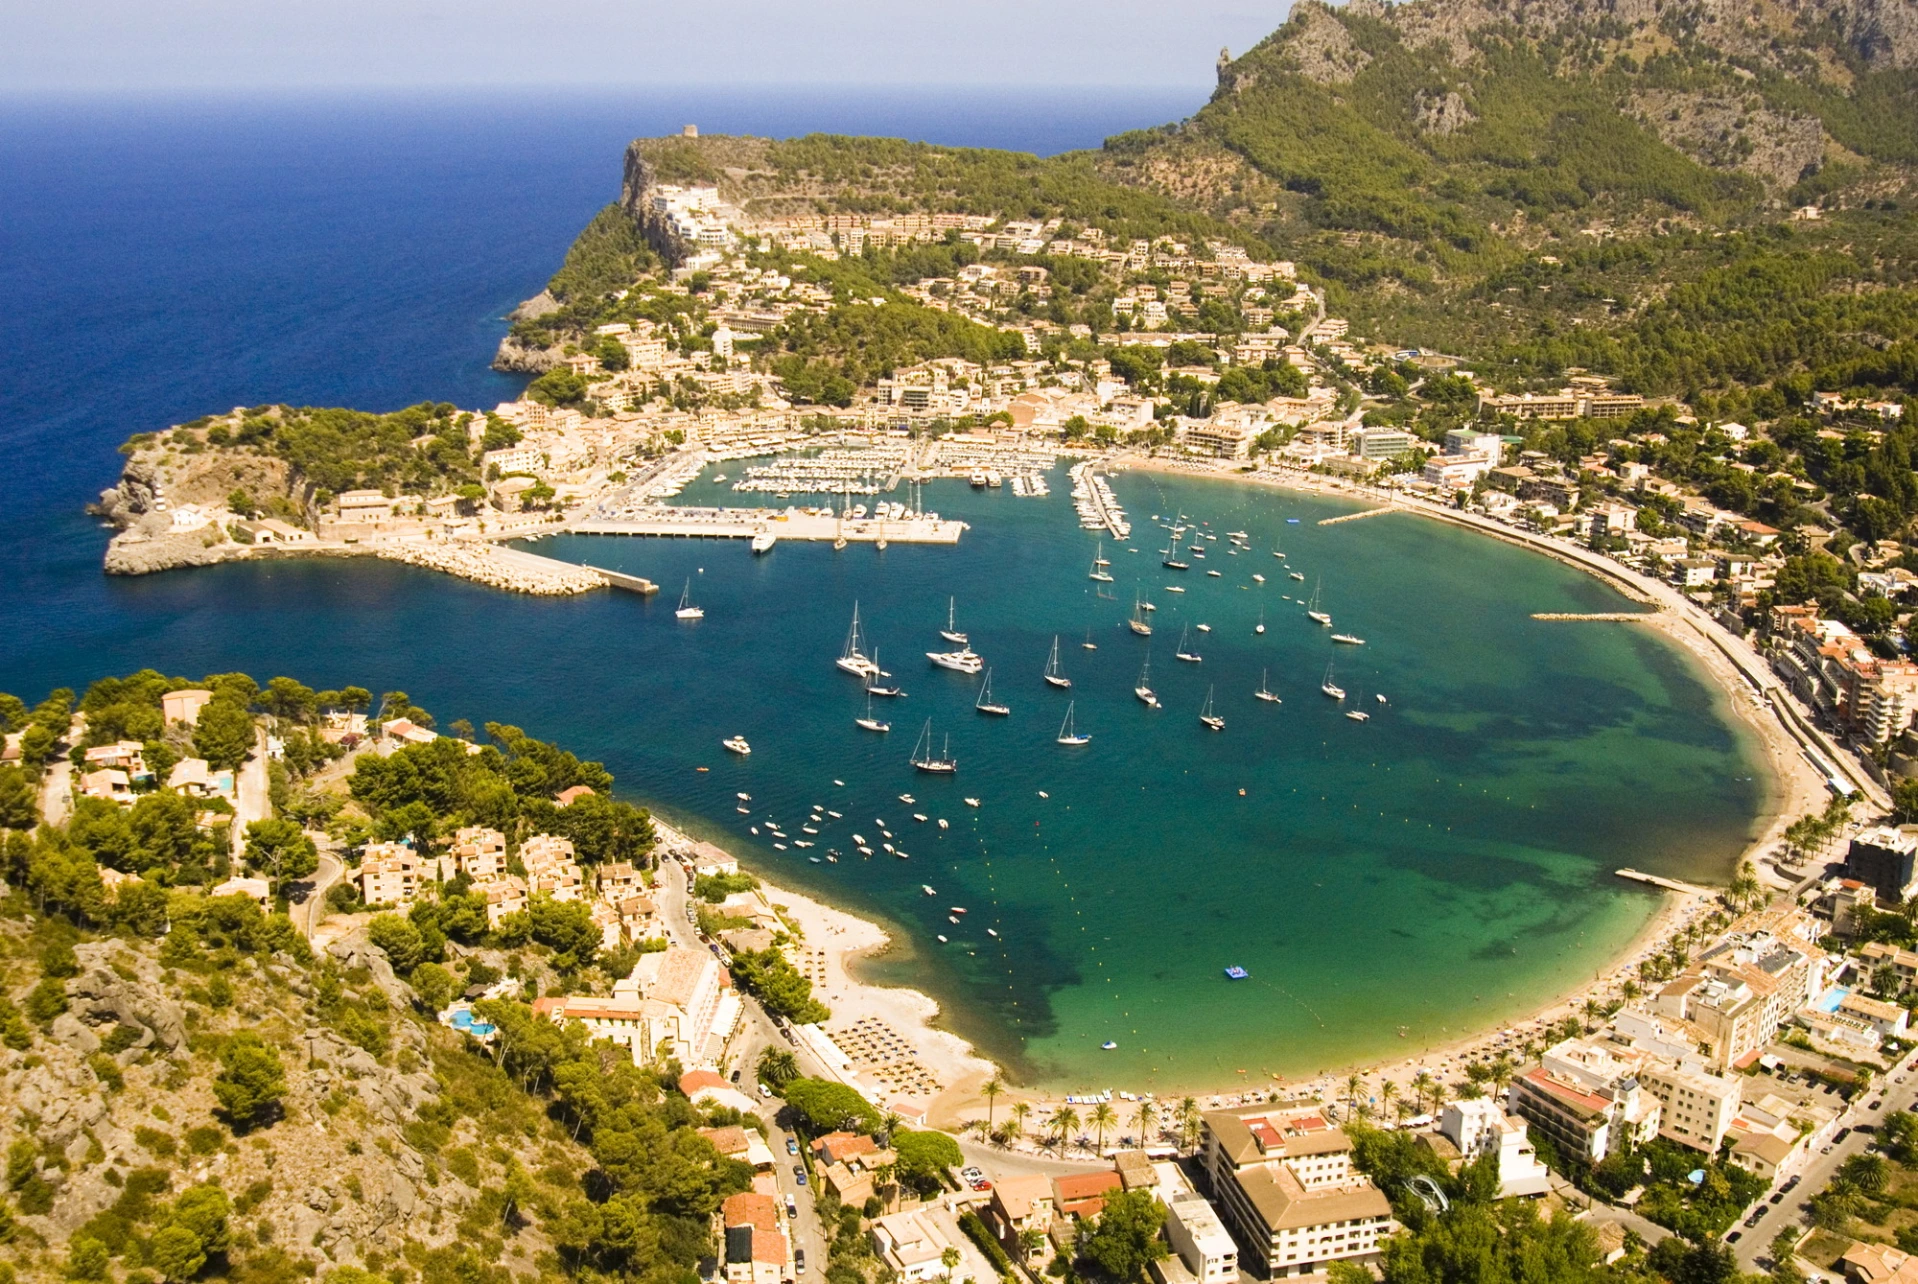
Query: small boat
[(842, 785), (1144, 689), (942, 940), (985, 703), (1260, 627), (927, 890), (737, 744), (1348, 639), (1099, 564), (687, 611), (859, 840), (1089, 644), (1108, 1045), (1190, 657), (754, 828), (1358, 715), (1329, 687), (921, 817), (1380, 697), (1137, 623), (1170, 588), (800, 842), (1257, 578), (907, 799), (957, 909), (887, 848), (1235, 535), (1215, 574), (1291, 521), (836, 815), (1203, 628), (1052, 674), (1264, 693), (779, 847), (991, 932), (813, 859), (719, 477), (951, 919), (1297, 576), (870, 723), (832, 857), (943, 765), (744, 811), (1044, 794), (1312, 608), (865, 851), (1209, 718), (944, 824), (763, 541), (970, 802), (951, 633), (1236, 974), (744, 797), (1067, 735), (958, 661)]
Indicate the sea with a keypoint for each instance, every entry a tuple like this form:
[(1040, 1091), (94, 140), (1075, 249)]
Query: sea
[(1386, 886)]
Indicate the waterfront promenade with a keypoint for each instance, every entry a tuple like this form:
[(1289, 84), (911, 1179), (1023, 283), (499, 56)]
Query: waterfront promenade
[(788, 524)]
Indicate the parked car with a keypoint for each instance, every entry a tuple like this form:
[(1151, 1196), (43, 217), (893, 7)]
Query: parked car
[(792, 1209), (1734, 1237), (799, 1261), (799, 1173), (764, 1091), (792, 1146)]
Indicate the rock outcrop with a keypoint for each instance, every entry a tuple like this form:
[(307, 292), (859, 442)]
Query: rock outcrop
[(516, 356)]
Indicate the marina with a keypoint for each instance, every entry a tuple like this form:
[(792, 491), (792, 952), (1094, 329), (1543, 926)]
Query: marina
[(900, 526)]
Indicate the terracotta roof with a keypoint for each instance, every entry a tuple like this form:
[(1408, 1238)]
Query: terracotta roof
[(730, 1140), (1283, 1204), (748, 1208), (1016, 1195), (694, 1080)]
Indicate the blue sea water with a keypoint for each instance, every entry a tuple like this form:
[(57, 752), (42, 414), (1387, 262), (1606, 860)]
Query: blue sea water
[(1434, 869)]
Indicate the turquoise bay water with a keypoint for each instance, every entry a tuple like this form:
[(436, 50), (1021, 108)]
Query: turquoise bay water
[(1445, 864)]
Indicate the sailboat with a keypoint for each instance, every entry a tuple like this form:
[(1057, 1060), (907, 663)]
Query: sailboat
[(1137, 623), (1261, 626), (1211, 720), (1089, 644), (687, 611), (1144, 689), (1358, 715), (944, 765), (1053, 675), (985, 703), (1329, 687), (950, 633), (869, 722), (1190, 657), (1172, 556), (1264, 692), (1099, 565), (1312, 608), (872, 688), (853, 660), (1067, 735)]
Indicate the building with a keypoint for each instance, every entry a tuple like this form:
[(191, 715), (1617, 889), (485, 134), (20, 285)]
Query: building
[(669, 1006), (1585, 1100), (504, 895), (1885, 859), (480, 853), (709, 1088), (1083, 1195), (915, 1247), (756, 1249), (1193, 1228), (184, 706), (1283, 1183), (1696, 1107), (1376, 445), (1021, 1204), (1479, 1126), (1740, 991), (390, 874), (551, 868)]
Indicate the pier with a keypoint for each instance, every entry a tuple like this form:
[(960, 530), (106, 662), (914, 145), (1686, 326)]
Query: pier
[(1625, 617), (788, 524), (1669, 884), (1353, 517), (620, 580)]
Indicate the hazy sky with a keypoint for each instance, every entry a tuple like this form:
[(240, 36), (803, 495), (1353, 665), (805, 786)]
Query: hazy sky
[(144, 45)]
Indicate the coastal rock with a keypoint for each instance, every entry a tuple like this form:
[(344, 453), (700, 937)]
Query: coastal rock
[(541, 304), (517, 357), (137, 552), (133, 497)]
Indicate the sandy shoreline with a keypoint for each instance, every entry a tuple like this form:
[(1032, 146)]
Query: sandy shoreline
[(835, 939)]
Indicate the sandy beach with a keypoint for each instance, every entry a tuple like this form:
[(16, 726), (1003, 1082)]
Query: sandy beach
[(881, 1022)]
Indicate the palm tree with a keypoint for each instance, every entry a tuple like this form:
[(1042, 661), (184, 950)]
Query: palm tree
[(1101, 1119), (1427, 1088), (1064, 1124), (992, 1089), (1354, 1085), (1021, 1110), (1189, 1122), (1502, 1071), (1387, 1091), (950, 1260), (883, 1177), (1145, 1118), (777, 1067)]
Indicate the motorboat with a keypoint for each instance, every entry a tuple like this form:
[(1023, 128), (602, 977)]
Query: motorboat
[(1348, 639), (738, 745), (962, 661)]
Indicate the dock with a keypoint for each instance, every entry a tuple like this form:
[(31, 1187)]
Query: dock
[(621, 580), (1669, 884), (1627, 617), (786, 524), (1353, 517)]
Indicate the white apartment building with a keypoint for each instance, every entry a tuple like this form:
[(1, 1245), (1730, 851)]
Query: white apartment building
[(1585, 1100), (1479, 1126), (914, 1246), (669, 1006), (1193, 1228), (480, 852)]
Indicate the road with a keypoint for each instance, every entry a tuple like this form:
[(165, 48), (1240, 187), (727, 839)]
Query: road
[(312, 892), (1754, 1242)]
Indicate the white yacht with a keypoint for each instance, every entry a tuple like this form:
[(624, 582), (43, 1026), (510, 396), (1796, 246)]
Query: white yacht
[(738, 745), (687, 611), (961, 661), (853, 659), (1067, 734)]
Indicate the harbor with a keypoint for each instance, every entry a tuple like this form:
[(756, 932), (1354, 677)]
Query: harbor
[(892, 524)]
